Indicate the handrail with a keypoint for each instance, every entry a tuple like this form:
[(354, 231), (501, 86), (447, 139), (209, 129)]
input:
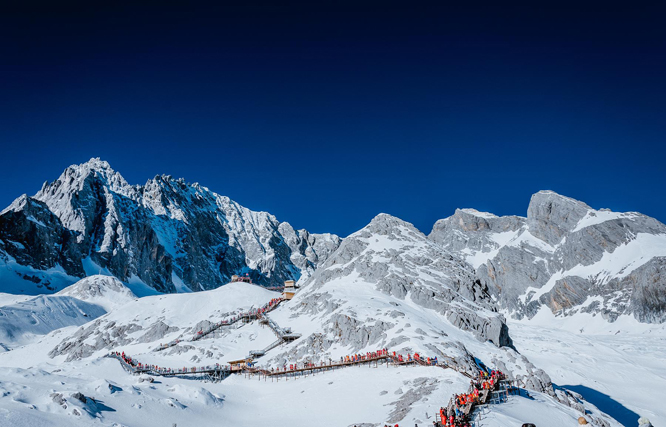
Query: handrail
[(250, 314)]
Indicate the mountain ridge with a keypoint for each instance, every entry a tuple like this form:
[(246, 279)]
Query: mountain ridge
[(565, 256), (166, 234), (172, 236)]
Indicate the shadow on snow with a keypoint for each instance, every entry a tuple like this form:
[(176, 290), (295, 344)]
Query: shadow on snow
[(607, 404)]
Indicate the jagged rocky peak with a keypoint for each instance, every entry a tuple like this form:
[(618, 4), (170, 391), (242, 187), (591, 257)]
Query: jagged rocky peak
[(27, 206), (475, 235), (167, 234), (565, 256), (17, 205), (165, 195), (77, 178), (33, 237), (389, 225), (81, 192), (550, 215), (471, 220), (397, 262)]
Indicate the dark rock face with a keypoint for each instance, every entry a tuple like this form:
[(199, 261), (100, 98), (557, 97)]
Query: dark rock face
[(167, 234), (565, 256), (34, 236)]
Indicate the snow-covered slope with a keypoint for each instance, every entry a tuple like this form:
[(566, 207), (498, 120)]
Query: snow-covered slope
[(364, 396), (389, 286), (167, 234), (566, 256), (105, 291), (41, 389), (24, 318), (22, 321), (141, 325), (616, 366)]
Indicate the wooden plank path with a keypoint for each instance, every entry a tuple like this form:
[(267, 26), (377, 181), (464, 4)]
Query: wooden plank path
[(249, 368), (246, 316), (501, 386), (388, 358), (219, 372), (325, 367)]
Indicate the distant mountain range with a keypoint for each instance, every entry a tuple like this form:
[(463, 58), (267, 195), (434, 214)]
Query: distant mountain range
[(171, 236)]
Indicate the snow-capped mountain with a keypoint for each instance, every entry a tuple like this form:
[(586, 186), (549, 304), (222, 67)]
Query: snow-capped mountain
[(564, 256), (388, 286), (391, 257), (166, 235), (171, 236), (385, 286)]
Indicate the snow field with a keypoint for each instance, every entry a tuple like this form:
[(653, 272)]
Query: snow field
[(536, 408), (619, 371), (342, 397)]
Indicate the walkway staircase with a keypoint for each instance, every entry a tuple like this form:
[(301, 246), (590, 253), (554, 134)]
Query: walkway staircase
[(245, 317)]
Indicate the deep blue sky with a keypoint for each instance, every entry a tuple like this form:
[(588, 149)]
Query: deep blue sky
[(327, 114)]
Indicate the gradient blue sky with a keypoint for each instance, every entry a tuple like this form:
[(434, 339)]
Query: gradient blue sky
[(326, 114)]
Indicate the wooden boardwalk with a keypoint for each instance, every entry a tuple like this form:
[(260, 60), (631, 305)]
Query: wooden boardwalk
[(249, 368), (248, 316), (220, 372)]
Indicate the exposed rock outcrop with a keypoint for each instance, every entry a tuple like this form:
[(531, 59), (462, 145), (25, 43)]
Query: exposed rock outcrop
[(565, 256)]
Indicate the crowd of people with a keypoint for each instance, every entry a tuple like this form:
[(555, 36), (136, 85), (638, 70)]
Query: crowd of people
[(417, 358), (137, 366), (371, 355), (349, 359), (456, 414), (354, 358)]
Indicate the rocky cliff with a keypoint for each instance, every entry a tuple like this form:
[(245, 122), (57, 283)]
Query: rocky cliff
[(394, 264), (167, 234), (565, 256)]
